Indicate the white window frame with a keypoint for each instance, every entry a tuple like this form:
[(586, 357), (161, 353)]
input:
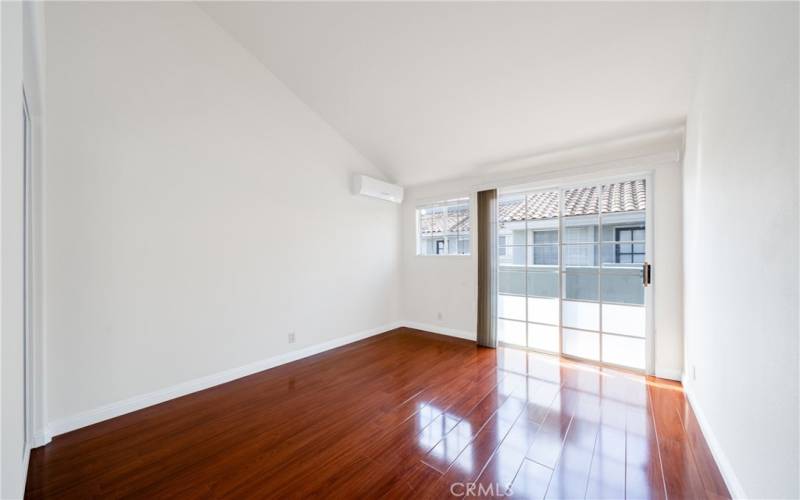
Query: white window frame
[(445, 204)]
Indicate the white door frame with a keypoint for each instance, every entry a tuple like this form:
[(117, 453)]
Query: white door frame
[(27, 274)]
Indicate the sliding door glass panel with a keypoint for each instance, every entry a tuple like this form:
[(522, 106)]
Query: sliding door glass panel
[(542, 210), (511, 257), (542, 258), (528, 260), (543, 284), (579, 256), (543, 310), (622, 255), (511, 332), (580, 285), (583, 315), (622, 286), (580, 229), (581, 200), (511, 307), (570, 271), (582, 344), (542, 229), (543, 232), (623, 226), (624, 351), (511, 220), (511, 281), (543, 337), (511, 303), (625, 320), (623, 248), (542, 226)]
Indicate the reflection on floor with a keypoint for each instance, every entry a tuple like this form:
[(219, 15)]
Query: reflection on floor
[(403, 414)]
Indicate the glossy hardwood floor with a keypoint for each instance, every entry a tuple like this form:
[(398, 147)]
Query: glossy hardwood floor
[(406, 414)]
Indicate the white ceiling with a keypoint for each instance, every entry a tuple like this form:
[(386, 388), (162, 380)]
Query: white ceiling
[(429, 91)]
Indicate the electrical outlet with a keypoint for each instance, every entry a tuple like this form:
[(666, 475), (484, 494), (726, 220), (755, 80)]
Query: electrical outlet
[(291, 337), (439, 315)]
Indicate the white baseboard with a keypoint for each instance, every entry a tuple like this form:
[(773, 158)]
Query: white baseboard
[(83, 419), (93, 416), (41, 437), (725, 467), (669, 374), (451, 332), (112, 410)]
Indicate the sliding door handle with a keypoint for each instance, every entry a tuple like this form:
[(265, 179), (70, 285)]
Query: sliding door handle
[(646, 270)]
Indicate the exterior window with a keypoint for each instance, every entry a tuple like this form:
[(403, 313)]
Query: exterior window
[(549, 236), (545, 255), (545, 247), (630, 245), (443, 228), (501, 250)]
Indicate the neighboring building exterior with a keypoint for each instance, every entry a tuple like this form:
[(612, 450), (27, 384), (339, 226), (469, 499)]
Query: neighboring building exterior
[(603, 231), (604, 228)]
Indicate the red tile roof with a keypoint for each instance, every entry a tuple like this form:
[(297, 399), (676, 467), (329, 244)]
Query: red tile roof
[(618, 197)]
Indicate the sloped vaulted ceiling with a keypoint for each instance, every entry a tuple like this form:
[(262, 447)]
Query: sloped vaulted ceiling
[(429, 91)]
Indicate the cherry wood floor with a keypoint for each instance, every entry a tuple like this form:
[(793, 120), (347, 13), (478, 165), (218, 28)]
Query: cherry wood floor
[(405, 414)]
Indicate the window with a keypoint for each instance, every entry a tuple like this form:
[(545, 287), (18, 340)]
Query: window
[(630, 245), (545, 255), (542, 237), (545, 248), (501, 249), (443, 228)]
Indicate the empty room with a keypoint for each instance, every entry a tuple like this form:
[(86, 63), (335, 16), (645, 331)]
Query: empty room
[(400, 250)]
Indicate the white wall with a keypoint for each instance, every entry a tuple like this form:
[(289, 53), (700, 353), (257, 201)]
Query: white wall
[(448, 284), (197, 211), (741, 247)]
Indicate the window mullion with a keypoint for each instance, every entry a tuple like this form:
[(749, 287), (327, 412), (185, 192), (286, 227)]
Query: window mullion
[(525, 274), (444, 230)]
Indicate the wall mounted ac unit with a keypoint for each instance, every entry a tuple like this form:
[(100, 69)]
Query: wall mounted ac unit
[(367, 186)]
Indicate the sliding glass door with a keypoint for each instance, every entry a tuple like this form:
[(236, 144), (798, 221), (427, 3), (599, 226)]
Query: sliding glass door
[(571, 271)]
